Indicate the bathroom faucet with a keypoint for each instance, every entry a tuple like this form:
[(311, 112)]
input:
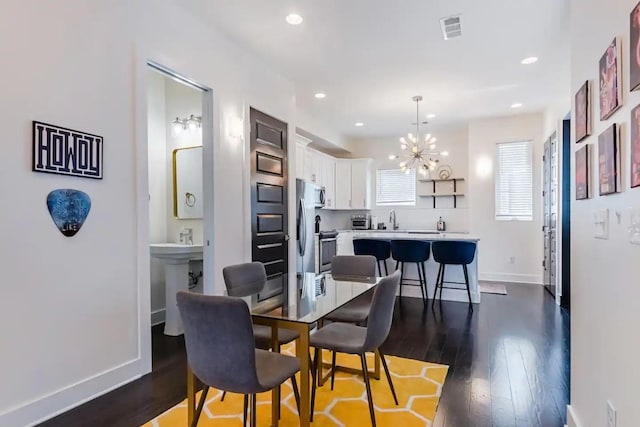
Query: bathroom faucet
[(392, 220)]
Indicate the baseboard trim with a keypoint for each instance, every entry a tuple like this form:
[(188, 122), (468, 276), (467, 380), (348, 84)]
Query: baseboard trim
[(572, 418), (50, 405), (158, 316), (533, 279)]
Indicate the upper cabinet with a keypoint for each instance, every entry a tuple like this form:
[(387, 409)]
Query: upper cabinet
[(347, 182), (353, 184)]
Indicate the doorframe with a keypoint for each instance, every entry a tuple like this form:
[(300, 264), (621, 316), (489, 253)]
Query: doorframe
[(142, 66)]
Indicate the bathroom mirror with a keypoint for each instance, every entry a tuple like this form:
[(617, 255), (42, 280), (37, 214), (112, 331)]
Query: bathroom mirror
[(187, 183)]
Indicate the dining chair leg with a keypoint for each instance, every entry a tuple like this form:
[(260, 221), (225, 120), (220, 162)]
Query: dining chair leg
[(245, 410), (444, 268), (466, 280), (365, 372), (401, 277), (420, 279), (379, 268), (314, 366), (296, 392), (333, 368), (224, 394), (386, 270), (254, 418), (424, 275), (203, 399), (435, 292), (386, 371)]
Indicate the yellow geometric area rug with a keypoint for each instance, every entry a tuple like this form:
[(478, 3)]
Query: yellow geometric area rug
[(418, 386)]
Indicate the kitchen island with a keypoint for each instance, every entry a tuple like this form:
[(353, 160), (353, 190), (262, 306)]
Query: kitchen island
[(452, 273)]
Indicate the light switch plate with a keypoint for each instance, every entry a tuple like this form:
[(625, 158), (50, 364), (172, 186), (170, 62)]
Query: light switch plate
[(601, 224)]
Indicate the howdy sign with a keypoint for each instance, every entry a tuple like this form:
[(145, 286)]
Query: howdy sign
[(67, 152)]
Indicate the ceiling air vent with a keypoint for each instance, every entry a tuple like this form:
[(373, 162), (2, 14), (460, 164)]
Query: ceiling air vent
[(451, 27)]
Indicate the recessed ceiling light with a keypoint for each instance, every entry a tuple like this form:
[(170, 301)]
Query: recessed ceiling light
[(431, 116), (516, 105), (294, 19), (359, 124), (320, 95), (529, 60)]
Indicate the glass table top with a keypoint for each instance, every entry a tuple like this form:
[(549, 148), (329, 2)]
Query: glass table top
[(311, 297)]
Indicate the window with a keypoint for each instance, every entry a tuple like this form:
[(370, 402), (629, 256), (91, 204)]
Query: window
[(514, 181), (395, 187)]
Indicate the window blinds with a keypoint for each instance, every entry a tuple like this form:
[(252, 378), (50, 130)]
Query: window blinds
[(395, 187), (514, 181)]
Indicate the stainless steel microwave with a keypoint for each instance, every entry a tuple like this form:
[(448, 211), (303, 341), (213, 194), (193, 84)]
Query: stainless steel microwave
[(318, 196)]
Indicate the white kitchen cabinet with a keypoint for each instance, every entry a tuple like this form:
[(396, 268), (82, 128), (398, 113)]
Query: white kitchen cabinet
[(353, 184), (329, 181), (315, 166), (343, 184), (344, 244), (360, 184)]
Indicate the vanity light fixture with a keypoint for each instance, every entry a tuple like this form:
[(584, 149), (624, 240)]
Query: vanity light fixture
[(192, 124)]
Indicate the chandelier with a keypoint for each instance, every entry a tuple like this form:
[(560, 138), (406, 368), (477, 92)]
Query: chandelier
[(418, 151)]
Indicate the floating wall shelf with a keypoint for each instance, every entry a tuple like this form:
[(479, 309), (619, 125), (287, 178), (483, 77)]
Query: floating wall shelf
[(434, 193)]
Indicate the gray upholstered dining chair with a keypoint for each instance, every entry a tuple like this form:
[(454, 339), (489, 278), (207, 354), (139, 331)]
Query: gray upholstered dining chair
[(243, 280), (353, 339), (221, 350), (357, 310)]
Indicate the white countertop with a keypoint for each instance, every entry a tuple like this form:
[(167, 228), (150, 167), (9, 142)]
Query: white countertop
[(418, 234)]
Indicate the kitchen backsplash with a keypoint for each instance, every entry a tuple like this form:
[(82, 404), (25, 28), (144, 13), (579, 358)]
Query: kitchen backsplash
[(407, 217)]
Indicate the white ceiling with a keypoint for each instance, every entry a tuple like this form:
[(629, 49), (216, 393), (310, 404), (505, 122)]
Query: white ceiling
[(371, 56)]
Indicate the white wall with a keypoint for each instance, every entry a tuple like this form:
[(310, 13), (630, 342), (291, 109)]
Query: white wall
[(76, 310), (604, 273), (422, 215), (501, 240), (158, 200)]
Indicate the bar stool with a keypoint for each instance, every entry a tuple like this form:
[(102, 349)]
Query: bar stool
[(381, 249), (453, 253), (412, 251)]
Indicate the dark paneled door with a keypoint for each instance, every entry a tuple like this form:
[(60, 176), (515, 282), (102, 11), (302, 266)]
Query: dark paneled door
[(269, 222)]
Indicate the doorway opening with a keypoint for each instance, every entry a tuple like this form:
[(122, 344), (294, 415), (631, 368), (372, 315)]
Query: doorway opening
[(179, 132)]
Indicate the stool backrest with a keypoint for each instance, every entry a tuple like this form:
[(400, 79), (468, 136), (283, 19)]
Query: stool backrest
[(381, 313), (243, 280), (410, 250), (381, 249), (454, 252), (354, 265), (218, 334)]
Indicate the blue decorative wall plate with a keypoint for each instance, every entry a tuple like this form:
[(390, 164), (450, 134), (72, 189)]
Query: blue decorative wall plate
[(69, 209)]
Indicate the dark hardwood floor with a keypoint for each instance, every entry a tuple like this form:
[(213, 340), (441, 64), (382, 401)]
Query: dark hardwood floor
[(508, 358)]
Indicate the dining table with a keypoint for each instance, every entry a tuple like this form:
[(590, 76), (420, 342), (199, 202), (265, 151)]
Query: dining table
[(306, 299)]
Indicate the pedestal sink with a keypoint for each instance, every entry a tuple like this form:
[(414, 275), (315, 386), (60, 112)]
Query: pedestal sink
[(176, 259)]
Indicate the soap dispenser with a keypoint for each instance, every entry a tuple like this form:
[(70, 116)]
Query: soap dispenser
[(441, 225)]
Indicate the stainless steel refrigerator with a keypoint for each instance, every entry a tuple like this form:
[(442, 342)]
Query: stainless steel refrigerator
[(305, 226)]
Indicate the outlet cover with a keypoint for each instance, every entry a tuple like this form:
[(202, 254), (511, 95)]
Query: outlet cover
[(611, 415), (634, 227)]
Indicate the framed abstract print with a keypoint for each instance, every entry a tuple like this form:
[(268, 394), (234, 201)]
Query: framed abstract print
[(583, 112), (610, 78), (609, 178), (583, 174)]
